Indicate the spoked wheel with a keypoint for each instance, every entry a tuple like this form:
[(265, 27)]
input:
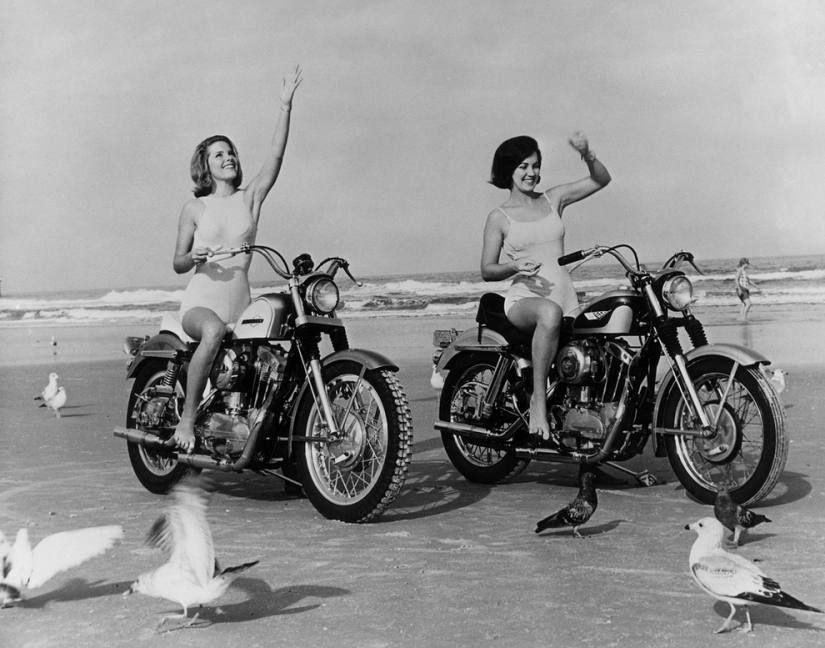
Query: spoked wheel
[(158, 413), (750, 447), (461, 396), (355, 476)]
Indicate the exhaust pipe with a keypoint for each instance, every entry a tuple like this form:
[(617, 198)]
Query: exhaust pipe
[(153, 442), (476, 431)]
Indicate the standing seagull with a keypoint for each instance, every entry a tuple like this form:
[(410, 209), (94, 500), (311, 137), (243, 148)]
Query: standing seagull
[(577, 512), (24, 568), (731, 578), (57, 401), (733, 516), (778, 380), (192, 576), (49, 391)]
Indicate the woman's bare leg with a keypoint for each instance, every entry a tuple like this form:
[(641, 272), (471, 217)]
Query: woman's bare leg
[(542, 318), (204, 325)]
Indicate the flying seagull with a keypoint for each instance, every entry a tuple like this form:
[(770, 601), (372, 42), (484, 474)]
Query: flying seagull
[(49, 391), (26, 568), (733, 516), (577, 512), (192, 576), (731, 578)]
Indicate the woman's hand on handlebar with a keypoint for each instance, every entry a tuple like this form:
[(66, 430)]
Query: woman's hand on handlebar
[(201, 255)]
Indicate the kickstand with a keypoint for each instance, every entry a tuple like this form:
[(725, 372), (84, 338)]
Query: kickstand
[(645, 478)]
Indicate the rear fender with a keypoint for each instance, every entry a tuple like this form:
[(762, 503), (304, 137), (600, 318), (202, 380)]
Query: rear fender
[(741, 354), (470, 340), (164, 345)]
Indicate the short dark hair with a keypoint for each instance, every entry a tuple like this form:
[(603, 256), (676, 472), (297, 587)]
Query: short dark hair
[(199, 167), (508, 156)]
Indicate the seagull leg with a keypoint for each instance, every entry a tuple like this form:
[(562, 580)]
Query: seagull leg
[(727, 621), (749, 627)]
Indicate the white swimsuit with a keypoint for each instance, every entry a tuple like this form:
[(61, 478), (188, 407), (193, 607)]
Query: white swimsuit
[(543, 241), (222, 286)]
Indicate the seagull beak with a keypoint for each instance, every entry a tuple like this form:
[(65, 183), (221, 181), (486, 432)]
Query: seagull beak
[(131, 590), (687, 527)]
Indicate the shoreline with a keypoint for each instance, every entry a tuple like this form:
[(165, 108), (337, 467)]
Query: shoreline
[(786, 336)]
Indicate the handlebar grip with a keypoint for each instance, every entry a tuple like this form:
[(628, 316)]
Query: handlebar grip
[(567, 259)]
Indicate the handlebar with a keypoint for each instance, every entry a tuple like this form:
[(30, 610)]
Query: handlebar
[(597, 251), (279, 264)]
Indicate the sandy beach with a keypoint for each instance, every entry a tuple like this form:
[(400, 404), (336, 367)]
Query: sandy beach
[(450, 564)]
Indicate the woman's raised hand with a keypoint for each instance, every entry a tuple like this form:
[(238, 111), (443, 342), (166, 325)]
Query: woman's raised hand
[(289, 84), (579, 142)]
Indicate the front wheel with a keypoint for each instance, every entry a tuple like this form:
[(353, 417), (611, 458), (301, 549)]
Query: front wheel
[(750, 448), (466, 385), (158, 411), (355, 476)]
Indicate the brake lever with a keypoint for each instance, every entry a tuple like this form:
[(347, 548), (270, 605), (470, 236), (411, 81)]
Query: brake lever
[(345, 266)]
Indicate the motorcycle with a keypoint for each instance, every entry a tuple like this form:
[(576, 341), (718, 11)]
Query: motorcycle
[(338, 425), (714, 413)]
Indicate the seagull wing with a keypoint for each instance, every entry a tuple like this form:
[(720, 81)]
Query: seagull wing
[(184, 533), (723, 575), (67, 549)]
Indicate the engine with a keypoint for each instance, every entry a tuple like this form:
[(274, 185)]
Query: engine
[(244, 377), (594, 372)]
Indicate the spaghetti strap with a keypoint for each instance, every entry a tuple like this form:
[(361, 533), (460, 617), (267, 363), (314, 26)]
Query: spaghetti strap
[(505, 215)]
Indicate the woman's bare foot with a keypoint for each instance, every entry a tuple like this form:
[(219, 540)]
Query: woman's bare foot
[(538, 418), (184, 436)]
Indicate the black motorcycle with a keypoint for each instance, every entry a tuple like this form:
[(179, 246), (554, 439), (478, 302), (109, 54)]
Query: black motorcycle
[(338, 425), (714, 413)]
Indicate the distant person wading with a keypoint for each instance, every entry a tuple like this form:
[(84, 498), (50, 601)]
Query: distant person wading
[(744, 284)]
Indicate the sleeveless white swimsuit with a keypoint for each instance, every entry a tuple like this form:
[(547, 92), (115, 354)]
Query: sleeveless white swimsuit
[(543, 241), (223, 285)]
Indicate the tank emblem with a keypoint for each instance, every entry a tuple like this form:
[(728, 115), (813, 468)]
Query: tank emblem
[(595, 315)]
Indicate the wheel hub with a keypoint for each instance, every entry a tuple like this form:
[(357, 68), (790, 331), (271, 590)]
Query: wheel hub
[(724, 444), (349, 450)]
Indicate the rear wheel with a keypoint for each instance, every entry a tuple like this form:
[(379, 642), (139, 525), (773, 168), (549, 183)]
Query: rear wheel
[(356, 476), (157, 412), (750, 448), (466, 384)]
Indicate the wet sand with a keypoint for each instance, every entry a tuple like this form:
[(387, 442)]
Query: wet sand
[(450, 564)]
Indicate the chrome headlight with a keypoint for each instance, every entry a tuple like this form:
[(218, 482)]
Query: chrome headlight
[(322, 295), (677, 292)]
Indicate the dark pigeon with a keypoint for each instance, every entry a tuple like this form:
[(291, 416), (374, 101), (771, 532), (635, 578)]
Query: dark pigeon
[(734, 517), (575, 514)]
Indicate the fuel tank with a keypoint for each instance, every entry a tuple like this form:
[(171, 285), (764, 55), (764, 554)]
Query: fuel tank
[(616, 312), (267, 317)]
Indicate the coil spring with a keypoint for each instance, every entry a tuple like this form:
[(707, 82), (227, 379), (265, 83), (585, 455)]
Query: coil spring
[(669, 336), (172, 370), (696, 332)]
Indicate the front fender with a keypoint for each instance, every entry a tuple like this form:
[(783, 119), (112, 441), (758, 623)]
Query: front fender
[(371, 359), (741, 354), (469, 341), (162, 345)]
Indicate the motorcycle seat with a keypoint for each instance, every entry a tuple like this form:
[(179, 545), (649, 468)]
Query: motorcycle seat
[(491, 314)]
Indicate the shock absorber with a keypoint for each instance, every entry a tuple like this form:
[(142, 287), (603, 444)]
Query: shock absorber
[(172, 371)]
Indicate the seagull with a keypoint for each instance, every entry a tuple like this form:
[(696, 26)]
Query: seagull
[(731, 578), (192, 576), (577, 512), (58, 401), (733, 516), (50, 390), (436, 379), (778, 380), (24, 568)]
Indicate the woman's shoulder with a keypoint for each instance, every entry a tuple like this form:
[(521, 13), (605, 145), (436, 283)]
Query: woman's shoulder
[(193, 208)]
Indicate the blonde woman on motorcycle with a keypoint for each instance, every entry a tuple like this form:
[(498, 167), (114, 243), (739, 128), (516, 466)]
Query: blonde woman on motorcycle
[(222, 215), (528, 228)]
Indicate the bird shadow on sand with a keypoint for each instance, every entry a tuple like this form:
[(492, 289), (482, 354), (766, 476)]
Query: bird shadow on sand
[(766, 615), (77, 589), (749, 537), (65, 413), (590, 531), (263, 601)]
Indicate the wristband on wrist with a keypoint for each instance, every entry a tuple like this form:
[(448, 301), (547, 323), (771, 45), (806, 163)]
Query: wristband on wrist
[(589, 156)]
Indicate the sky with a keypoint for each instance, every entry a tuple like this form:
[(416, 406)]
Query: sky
[(708, 115)]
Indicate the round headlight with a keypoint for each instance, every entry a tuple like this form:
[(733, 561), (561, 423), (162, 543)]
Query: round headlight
[(322, 295), (678, 292)]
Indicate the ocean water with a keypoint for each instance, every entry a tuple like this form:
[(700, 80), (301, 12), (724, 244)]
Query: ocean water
[(783, 281)]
